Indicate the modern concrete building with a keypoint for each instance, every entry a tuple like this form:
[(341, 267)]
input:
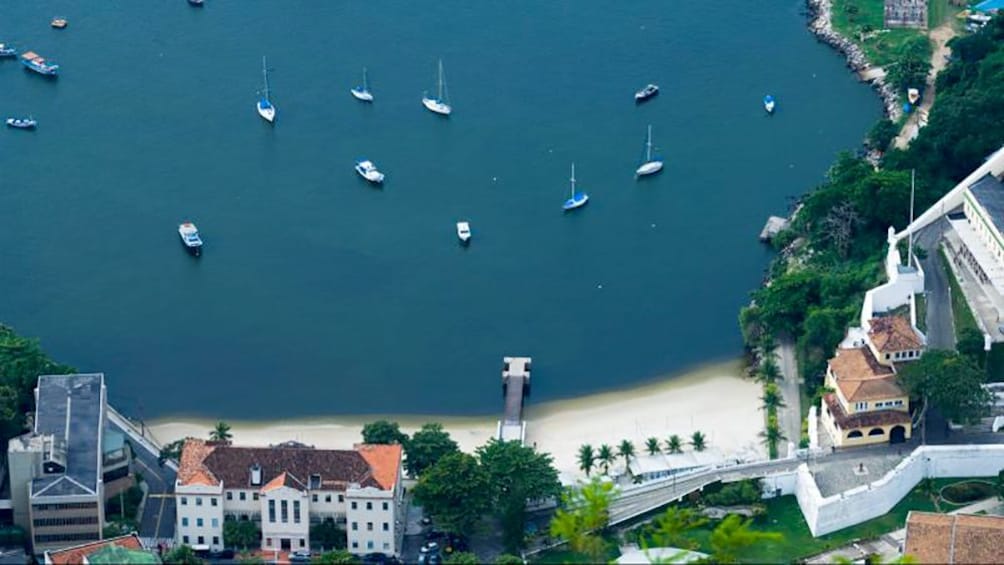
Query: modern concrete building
[(285, 489)]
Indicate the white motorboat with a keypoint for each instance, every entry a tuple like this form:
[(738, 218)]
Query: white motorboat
[(649, 166), (265, 108), (644, 94), (441, 103), (22, 123), (190, 237), (464, 232), (768, 104), (363, 92), (368, 171)]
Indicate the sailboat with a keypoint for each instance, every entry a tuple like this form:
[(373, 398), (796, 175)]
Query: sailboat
[(768, 104), (577, 199), (441, 103), (650, 166), (265, 107), (363, 92)]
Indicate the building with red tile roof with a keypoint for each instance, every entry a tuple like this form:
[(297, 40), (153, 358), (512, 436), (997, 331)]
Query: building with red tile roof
[(123, 549), (954, 538)]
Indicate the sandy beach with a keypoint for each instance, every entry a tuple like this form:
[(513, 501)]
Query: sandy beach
[(713, 399)]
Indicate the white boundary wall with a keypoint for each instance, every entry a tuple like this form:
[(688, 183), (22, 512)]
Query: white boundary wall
[(832, 513)]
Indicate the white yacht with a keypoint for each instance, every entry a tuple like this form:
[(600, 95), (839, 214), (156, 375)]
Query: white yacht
[(649, 166), (190, 237), (464, 232), (368, 171), (441, 103)]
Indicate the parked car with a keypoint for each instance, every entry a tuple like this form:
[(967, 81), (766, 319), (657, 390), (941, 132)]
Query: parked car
[(299, 556)]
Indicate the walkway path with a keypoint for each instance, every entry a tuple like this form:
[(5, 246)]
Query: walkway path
[(939, 59), (940, 323), (790, 416)]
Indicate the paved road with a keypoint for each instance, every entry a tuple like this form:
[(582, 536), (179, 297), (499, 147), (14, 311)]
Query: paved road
[(158, 519), (940, 324), (789, 417)]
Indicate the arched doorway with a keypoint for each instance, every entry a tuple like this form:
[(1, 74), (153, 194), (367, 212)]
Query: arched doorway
[(897, 434)]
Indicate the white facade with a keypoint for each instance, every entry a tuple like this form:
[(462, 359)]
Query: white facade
[(374, 519), (200, 516), (285, 519)]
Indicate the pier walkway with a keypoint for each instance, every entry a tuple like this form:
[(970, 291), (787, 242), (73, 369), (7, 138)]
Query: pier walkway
[(515, 388)]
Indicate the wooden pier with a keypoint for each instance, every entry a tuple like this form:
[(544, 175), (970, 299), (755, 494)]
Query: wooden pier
[(515, 389)]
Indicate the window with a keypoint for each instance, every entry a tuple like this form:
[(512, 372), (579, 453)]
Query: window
[(184, 522), (202, 540), (327, 498), (861, 406), (296, 511), (385, 505), (369, 506), (216, 540), (301, 542), (313, 498), (198, 522), (198, 501), (184, 540), (284, 505), (386, 527), (271, 511), (244, 495), (268, 542), (215, 522), (341, 498), (213, 501), (184, 501), (899, 403), (355, 526), (369, 526), (230, 495), (369, 544), (386, 545), (254, 496), (354, 505), (355, 545)]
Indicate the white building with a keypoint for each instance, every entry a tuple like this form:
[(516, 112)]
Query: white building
[(287, 488)]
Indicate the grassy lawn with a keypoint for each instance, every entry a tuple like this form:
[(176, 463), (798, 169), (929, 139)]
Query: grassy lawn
[(961, 313), (852, 18), (921, 301)]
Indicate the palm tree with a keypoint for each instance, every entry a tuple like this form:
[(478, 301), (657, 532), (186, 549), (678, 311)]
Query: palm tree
[(671, 527), (586, 458), (698, 440), (221, 432), (768, 371), (772, 434), (674, 444), (772, 398), (767, 343), (626, 450), (606, 457), (733, 537), (652, 446)]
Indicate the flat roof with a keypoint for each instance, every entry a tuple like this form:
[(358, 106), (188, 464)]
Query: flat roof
[(69, 408), (989, 192), (987, 260)]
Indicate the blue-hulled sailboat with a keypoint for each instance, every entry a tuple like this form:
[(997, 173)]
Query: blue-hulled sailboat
[(768, 104), (577, 199), (265, 108)]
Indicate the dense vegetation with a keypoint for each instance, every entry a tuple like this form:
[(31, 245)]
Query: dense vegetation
[(834, 248), (21, 362)]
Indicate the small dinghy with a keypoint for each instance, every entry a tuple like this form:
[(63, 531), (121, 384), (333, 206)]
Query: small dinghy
[(368, 171), (768, 104), (576, 199), (7, 50), (363, 92), (190, 238), (464, 232), (648, 92), (21, 123), (58, 23)]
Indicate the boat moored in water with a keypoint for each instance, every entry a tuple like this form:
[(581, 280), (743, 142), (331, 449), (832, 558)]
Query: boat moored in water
[(190, 237), (33, 61), (768, 104), (368, 171), (650, 165), (644, 94), (464, 232), (577, 199), (21, 123), (363, 92), (265, 108), (196, 3), (58, 23), (7, 50), (441, 103)]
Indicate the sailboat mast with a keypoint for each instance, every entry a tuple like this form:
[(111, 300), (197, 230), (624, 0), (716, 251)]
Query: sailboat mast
[(648, 145), (264, 74), (573, 180), (440, 97), (365, 84)]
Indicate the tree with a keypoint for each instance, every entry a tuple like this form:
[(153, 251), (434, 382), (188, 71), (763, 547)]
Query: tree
[(21, 362), (338, 557), (669, 529), (246, 558), (882, 134), (733, 536), (516, 475), (182, 555), (221, 432), (772, 398), (970, 345), (455, 492), (772, 435), (583, 515), (384, 432), (427, 446), (674, 444), (949, 381), (912, 66), (698, 441), (241, 534), (1000, 484), (768, 371), (626, 450), (586, 458), (839, 227), (462, 558), (508, 559), (606, 457), (327, 535), (652, 446)]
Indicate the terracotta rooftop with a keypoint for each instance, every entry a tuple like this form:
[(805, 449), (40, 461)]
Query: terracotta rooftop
[(867, 419), (290, 465), (75, 555), (954, 538), (893, 333), (861, 378)]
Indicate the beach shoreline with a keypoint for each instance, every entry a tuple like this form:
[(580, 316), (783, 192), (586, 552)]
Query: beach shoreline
[(715, 399)]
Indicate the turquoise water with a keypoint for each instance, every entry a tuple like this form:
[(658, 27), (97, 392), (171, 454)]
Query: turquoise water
[(317, 294)]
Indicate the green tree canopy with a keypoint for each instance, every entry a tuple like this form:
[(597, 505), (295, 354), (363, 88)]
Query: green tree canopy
[(586, 458), (698, 441), (674, 444), (241, 534), (455, 491), (733, 535), (327, 535), (913, 63), (384, 432), (583, 515), (221, 432), (338, 557), (462, 558), (182, 555), (427, 446), (21, 363), (606, 457), (516, 475), (951, 382), (670, 528), (652, 446), (508, 559)]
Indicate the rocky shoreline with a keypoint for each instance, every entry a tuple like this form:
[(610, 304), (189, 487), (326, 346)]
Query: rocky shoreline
[(819, 24)]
